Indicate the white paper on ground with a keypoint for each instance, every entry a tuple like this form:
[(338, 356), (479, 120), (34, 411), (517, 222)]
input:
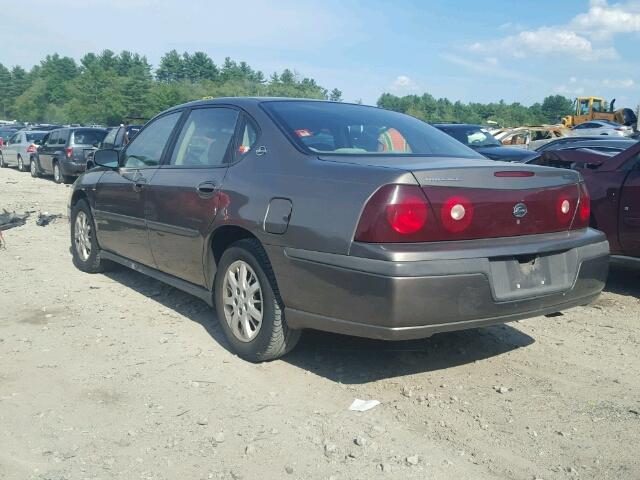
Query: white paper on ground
[(363, 405)]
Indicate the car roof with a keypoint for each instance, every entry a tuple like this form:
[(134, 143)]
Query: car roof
[(253, 101)]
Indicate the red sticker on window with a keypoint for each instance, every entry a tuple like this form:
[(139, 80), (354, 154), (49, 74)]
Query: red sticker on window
[(243, 149), (303, 132)]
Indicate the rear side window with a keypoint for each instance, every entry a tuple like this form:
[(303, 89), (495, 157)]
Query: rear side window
[(62, 136), (332, 128), (248, 137), (146, 149), (53, 138), (34, 137), (87, 137), (205, 138), (109, 139)]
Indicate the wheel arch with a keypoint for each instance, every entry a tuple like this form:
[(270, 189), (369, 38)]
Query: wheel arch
[(221, 238)]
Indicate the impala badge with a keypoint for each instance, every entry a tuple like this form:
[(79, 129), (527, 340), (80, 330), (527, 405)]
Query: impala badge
[(519, 210)]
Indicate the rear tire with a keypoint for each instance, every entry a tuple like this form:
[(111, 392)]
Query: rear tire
[(21, 164), (58, 176), (271, 338), (84, 245), (33, 168)]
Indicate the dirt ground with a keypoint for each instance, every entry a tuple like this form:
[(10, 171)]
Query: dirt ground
[(118, 376)]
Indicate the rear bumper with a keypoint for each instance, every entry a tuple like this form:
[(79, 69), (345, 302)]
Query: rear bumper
[(73, 168), (450, 290)]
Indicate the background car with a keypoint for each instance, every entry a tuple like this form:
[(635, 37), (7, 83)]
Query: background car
[(5, 134), (116, 138), (479, 138), (530, 137), (293, 214), (64, 153), (20, 149), (613, 180), (602, 127)]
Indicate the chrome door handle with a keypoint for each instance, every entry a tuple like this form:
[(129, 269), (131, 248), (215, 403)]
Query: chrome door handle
[(206, 189), (139, 184)]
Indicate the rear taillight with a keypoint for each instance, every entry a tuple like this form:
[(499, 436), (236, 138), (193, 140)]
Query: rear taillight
[(395, 213), (69, 152), (409, 213), (31, 148), (456, 214), (583, 216)]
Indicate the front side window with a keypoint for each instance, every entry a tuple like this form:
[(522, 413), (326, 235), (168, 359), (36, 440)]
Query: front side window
[(332, 128), (146, 149), (205, 138)]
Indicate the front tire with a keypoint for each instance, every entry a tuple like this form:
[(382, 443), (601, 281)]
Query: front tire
[(21, 164), (248, 304), (84, 245), (2, 164)]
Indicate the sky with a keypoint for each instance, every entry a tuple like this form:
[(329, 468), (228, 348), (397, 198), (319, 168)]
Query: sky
[(469, 50)]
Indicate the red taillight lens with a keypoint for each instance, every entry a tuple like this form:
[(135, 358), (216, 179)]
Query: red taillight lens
[(409, 215), (69, 152), (395, 213), (31, 148), (456, 214), (584, 208)]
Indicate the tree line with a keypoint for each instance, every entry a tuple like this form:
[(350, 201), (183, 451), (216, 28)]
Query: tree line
[(430, 109), (109, 88)]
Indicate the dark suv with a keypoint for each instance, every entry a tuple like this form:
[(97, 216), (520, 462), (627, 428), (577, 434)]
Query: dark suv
[(117, 138), (64, 153)]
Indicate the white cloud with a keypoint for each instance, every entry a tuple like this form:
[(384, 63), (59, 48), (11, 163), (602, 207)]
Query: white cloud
[(488, 67), (619, 83), (604, 20), (403, 85), (585, 37), (545, 41)]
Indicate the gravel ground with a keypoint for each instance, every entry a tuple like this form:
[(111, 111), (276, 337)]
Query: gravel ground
[(118, 376)]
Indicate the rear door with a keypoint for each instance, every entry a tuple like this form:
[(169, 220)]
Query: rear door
[(45, 154), (629, 223), (184, 195), (10, 150), (120, 195)]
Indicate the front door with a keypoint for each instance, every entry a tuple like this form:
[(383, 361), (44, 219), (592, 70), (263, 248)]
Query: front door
[(120, 194), (184, 196), (629, 223)]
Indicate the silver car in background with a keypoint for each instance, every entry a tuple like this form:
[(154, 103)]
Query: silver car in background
[(601, 127), (20, 149)]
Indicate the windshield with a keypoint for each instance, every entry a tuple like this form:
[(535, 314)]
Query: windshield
[(332, 128), (472, 136), (88, 137), (35, 136)]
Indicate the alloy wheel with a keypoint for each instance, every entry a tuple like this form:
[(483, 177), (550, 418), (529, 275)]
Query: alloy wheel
[(242, 297), (33, 168), (82, 236), (56, 173), (20, 164)]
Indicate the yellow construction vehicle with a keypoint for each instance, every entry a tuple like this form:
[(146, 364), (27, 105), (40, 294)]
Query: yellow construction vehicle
[(595, 108)]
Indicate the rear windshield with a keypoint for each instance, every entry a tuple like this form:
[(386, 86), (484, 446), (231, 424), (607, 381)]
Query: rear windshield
[(35, 136), (88, 137), (330, 128)]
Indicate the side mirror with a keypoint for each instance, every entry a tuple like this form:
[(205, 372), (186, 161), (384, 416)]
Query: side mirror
[(107, 158)]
